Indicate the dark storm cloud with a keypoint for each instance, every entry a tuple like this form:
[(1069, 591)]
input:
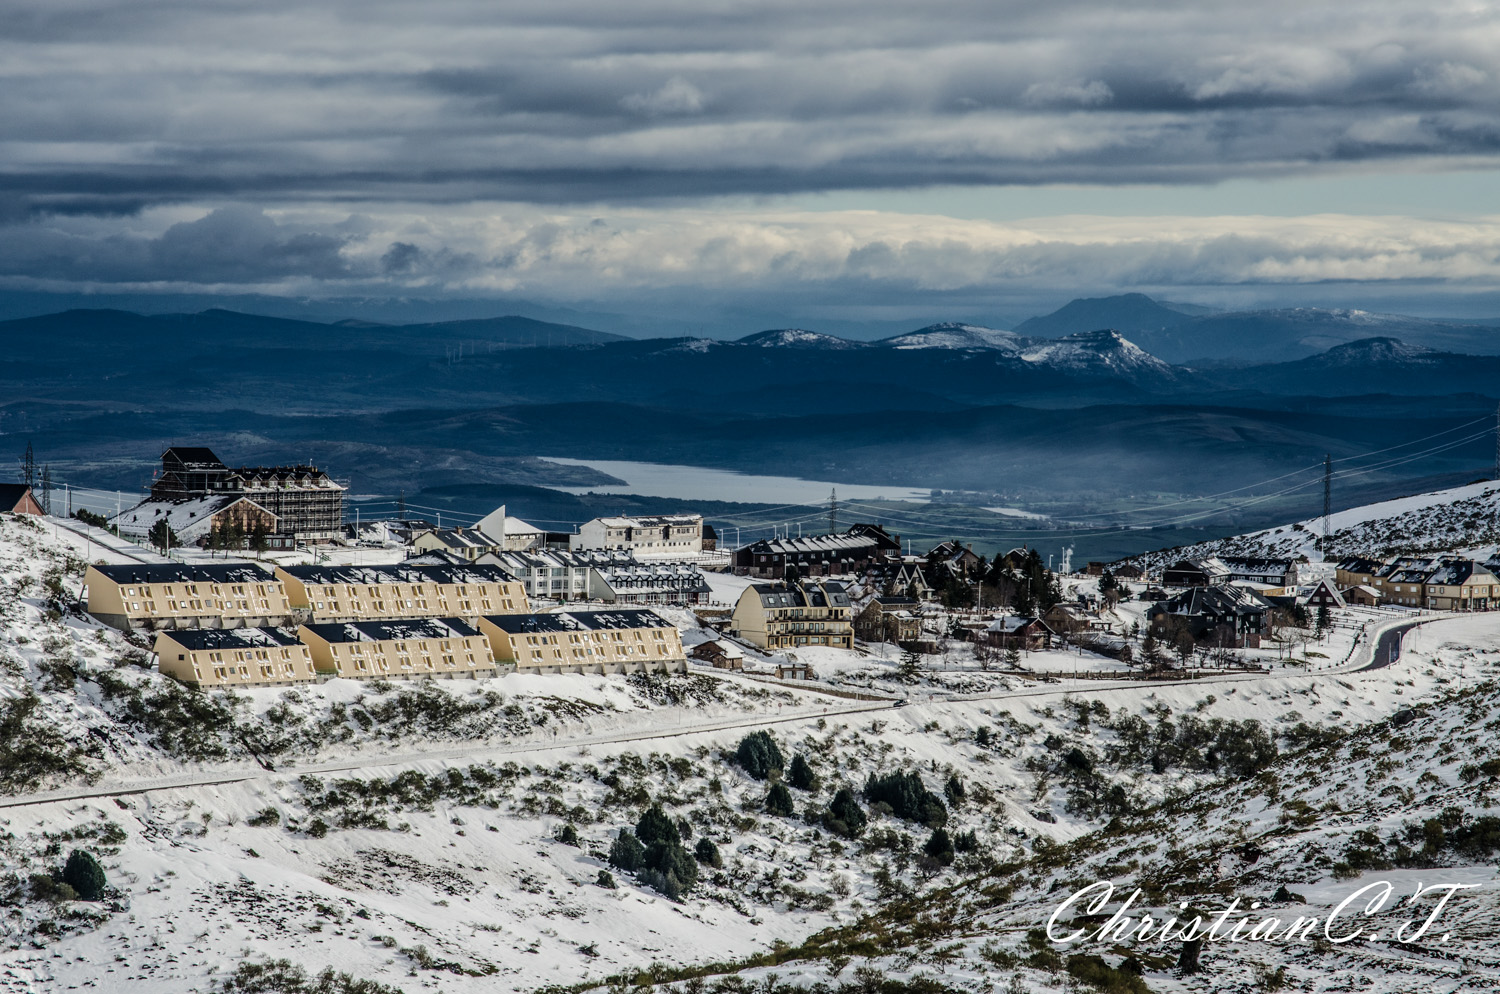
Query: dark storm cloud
[(141, 102)]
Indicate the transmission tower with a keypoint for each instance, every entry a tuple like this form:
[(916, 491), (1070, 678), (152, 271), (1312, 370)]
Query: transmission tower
[(1497, 442), (833, 504), (28, 467), (1327, 500)]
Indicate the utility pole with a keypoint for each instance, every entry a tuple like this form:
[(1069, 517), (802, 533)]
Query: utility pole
[(47, 489), (833, 497), (1327, 501), (1497, 442)]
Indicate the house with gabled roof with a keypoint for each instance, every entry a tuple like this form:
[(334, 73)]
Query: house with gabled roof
[(17, 498), (774, 616)]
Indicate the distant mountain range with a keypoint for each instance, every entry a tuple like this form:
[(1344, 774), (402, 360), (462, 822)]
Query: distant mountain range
[(1084, 411)]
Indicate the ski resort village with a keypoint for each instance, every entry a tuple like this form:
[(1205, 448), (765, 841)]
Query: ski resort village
[(255, 739)]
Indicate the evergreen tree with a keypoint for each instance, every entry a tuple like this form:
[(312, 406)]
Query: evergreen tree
[(162, 536), (656, 828), (758, 755), (954, 791), (982, 737), (910, 670), (627, 853), (1325, 621), (84, 874), (800, 775), (707, 853), (1151, 655), (258, 538), (844, 815), (907, 796), (779, 801), (939, 846)]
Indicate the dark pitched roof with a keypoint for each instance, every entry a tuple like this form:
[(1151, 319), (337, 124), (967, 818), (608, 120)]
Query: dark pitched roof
[(400, 573), (12, 494), (183, 573), (573, 621), (386, 631), (809, 593), (194, 456), (234, 638)]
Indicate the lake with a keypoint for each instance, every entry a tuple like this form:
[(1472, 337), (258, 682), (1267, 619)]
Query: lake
[(697, 483)]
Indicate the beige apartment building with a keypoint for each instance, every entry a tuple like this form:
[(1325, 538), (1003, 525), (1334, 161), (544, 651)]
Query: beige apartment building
[(178, 596), (427, 648), (374, 593), (634, 641), (234, 657), (785, 616)]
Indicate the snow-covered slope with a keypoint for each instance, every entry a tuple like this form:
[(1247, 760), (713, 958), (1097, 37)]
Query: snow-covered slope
[(1461, 519), (1095, 352), (796, 338), (965, 337)]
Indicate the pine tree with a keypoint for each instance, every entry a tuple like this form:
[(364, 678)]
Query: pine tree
[(759, 756), (84, 874), (800, 775), (1012, 656), (779, 801), (162, 536), (910, 670)]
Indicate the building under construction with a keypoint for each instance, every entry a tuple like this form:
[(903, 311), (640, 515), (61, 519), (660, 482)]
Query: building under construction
[(307, 502)]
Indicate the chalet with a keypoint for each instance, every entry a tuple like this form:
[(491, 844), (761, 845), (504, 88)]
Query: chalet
[(199, 520), (1270, 572), (627, 641), (794, 671), (1128, 571), (1233, 617), (1206, 571), (421, 648), (1403, 585), (1326, 595), (961, 557), (466, 543), (386, 592), (234, 657), (721, 655), (816, 555), (654, 536), (1029, 634), (1074, 618), (1355, 570), (17, 498), (783, 616), (1461, 585), (889, 618), (173, 595), (1362, 595)]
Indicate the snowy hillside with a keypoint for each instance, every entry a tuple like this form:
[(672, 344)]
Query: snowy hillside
[(1096, 352), (457, 835), (957, 336), (1462, 519)]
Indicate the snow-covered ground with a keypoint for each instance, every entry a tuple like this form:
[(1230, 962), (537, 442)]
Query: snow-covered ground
[(1461, 520), (405, 833)]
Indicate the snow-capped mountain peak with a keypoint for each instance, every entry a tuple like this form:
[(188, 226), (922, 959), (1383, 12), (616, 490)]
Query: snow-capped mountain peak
[(955, 335), (796, 338)]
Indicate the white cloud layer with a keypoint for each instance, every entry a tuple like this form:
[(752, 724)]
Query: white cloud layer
[(516, 248)]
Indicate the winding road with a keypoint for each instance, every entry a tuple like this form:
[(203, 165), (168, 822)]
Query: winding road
[(1385, 650)]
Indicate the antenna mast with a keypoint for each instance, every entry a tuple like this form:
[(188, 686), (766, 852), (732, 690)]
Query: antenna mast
[(833, 495)]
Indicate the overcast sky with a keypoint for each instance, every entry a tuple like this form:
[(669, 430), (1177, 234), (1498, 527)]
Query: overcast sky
[(836, 161)]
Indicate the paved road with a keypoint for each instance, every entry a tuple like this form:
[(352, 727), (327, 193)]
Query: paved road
[(1388, 647)]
